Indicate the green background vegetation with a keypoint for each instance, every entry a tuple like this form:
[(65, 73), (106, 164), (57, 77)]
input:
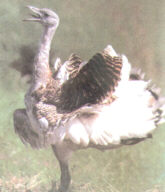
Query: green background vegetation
[(133, 27)]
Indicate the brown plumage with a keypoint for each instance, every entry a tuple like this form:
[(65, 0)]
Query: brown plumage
[(94, 83), (97, 79), (73, 65)]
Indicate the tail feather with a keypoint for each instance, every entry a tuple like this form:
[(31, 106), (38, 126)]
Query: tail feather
[(156, 102), (160, 114)]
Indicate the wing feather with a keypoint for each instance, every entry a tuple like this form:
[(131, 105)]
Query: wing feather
[(68, 69), (73, 65), (93, 82), (23, 128)]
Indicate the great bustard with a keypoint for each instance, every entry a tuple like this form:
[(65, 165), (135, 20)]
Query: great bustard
[(98, 103)]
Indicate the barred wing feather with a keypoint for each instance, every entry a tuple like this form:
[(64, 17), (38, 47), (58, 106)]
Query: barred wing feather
[(68, 69), (95, 80)]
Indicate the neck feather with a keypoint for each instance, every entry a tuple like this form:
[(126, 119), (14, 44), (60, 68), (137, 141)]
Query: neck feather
[(41, 71)]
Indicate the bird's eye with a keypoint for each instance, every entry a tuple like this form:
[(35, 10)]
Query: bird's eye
[(46, 15)]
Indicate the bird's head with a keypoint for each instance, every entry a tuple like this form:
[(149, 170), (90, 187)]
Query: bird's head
[(44, 16)]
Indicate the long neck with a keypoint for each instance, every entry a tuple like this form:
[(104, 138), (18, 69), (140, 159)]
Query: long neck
[(41, 71)]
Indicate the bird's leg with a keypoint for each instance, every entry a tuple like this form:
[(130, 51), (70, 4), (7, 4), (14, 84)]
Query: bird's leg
[(62, 152), (65, 177)]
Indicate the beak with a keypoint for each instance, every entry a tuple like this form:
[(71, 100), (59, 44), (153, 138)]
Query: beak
[(36, 16)]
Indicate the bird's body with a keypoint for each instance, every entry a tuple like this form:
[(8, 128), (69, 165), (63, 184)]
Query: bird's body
[(98, 103)]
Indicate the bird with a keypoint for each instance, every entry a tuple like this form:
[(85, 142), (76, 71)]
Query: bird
[(101, 103)]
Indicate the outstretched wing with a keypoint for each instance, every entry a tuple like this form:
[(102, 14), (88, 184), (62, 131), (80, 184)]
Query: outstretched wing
[(94, 81)]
